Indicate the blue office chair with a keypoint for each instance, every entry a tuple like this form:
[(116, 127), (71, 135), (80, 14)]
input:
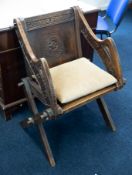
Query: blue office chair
[(115, 12)]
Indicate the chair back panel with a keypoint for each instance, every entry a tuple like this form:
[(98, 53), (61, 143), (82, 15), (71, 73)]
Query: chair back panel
[(116, 10), (53, 36)]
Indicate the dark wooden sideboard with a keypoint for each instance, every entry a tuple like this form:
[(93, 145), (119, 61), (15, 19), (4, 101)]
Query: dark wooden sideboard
[(12, 67), (11, 71)]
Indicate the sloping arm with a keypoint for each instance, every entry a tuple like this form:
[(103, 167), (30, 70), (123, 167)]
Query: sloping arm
[(39, 69), (105, 48), (47, 88), (24, 41)]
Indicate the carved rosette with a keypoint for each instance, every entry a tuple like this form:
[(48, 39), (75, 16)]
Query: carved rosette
[(54, 46)]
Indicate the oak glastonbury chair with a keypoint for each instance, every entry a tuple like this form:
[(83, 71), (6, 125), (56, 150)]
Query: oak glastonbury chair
[(58, 74)]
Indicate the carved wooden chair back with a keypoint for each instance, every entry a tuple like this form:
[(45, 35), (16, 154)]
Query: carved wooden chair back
[(55, 36)]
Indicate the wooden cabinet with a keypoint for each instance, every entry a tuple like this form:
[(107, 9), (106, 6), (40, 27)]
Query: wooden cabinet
[(12, 67), (11, 72)]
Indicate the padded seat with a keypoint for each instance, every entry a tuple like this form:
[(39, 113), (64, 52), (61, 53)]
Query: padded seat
[(78, 78)]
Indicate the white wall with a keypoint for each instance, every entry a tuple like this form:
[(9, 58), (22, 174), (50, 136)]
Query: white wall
[(100, 4)]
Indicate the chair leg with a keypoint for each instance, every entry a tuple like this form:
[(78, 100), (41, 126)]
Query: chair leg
[(46, 145), (41, 129), (29, 96), (101, 37), (106, 114)]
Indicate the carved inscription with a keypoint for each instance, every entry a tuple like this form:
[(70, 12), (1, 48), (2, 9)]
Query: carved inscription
[(48, 20)]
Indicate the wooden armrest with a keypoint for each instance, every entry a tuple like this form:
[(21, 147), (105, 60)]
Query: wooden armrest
[(39, 69), (110, 57), (47, 86), (24, 41), (105, 48)]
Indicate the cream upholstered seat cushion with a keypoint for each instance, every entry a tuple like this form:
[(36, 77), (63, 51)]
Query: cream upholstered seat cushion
[(78, 78)]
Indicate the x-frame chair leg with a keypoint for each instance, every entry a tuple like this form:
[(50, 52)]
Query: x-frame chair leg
[(106, 114), (40, 126)]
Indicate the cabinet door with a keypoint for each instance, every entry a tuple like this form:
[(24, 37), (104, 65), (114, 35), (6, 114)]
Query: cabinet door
[(11, 67)]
